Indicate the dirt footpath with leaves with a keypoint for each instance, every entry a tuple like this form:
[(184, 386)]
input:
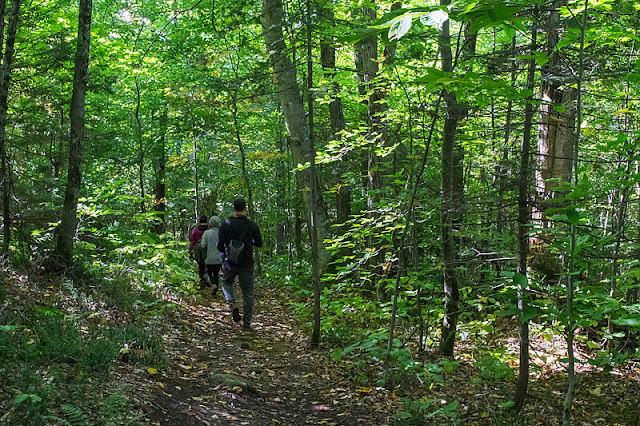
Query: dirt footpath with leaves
[(218, 374)]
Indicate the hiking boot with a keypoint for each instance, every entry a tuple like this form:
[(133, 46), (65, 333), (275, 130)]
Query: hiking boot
[(236, 315), (215, 290), (247, 328)]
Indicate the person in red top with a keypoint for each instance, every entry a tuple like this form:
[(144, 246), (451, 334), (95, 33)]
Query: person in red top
[(194, 238)]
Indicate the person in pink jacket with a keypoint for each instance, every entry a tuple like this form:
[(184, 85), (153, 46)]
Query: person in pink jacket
[(194, 238)]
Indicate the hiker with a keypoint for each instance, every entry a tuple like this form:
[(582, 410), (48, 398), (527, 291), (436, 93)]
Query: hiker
[(195, 251), (213, 260), (238, 259)]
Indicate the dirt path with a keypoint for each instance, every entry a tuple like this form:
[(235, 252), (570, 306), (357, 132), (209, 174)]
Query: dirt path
[(285, 382)]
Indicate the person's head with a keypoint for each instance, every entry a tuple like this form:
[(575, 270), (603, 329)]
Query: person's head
[(202, 219), (239, 205), (214, 222)]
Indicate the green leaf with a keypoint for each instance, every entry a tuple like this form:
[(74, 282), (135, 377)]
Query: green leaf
[(336, 355), (629, 322), (20, 398), (509, 31), (573, 215)]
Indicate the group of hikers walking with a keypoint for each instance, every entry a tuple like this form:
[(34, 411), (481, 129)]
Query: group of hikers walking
[(227, 247)]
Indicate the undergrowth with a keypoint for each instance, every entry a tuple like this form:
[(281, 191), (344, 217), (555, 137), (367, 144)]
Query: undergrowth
[(61, 336)]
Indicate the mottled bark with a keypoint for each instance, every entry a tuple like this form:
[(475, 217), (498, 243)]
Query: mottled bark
[(67, 228), (284, 76), (5, 80)]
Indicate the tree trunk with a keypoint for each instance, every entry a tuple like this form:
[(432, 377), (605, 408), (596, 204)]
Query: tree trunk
[(523, 233), (336, 116), (571, 322), (5, 80), (315, 272), (452, 188), (294, 113), (140, 148), (160, 197), (67, 228), (555, 131)]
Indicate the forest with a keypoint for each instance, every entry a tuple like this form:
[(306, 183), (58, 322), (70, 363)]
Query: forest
[(448, 192)]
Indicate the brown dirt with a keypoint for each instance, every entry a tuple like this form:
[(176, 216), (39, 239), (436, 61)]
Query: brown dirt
[(290, 384)]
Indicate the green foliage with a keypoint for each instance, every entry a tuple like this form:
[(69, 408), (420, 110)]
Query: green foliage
[(493, 369), (114, 410), (427, 412)]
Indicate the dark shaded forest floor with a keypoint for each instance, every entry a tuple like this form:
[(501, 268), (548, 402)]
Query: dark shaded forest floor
[(217, 374)]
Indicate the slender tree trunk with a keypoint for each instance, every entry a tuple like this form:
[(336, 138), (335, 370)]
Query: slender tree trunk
[(523, 232), (294, 112), (5, 80), (571, 323), (336, 117), (315, 272), (160, 198), (140, 148), (67, 227), (452, 190)]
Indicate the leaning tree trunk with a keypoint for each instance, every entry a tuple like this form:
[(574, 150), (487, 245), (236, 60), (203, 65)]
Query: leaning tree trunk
[(294, 113), (5, 79), (67, 228)]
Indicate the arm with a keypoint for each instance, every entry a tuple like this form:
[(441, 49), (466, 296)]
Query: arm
[(221, 236)]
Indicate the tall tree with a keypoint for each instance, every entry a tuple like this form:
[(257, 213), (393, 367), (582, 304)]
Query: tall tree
[(293, 110), (5, 79), (452, 191), (524, 212), (67, 227)]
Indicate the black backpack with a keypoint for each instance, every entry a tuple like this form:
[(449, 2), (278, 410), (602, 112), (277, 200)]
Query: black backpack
[(235, 248)]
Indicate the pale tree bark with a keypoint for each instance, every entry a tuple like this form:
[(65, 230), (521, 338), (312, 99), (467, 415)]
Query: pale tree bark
[(284, 76), (5, 80), (67, 228), (555, 129)]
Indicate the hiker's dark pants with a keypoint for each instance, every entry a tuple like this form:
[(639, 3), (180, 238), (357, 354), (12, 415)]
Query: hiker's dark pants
[(213, 271), (245, 278), (201, 270)]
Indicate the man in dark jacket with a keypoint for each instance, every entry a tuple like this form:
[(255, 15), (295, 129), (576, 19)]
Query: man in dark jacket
[(239, 227)]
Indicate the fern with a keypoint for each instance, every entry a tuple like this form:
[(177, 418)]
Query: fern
[(74, 416), (114, 411)]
